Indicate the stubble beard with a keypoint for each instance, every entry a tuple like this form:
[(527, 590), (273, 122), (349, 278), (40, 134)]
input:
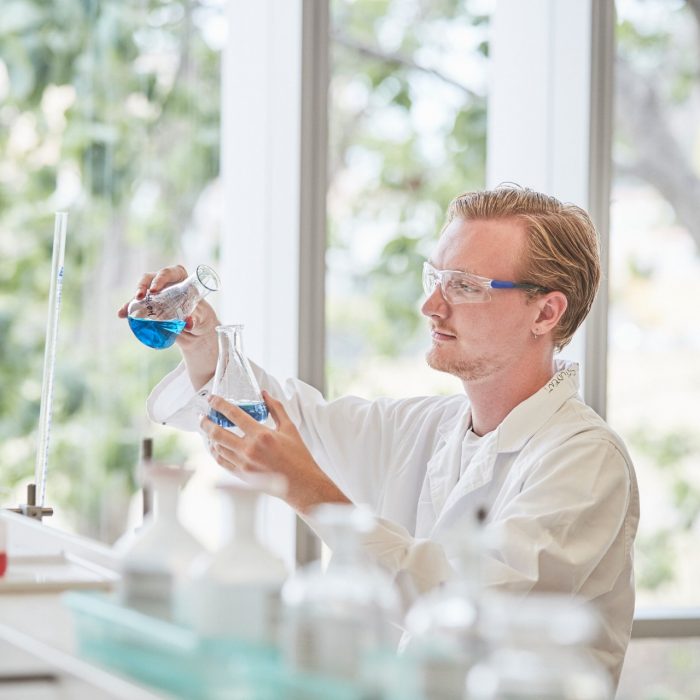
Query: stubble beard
[(467, 370)]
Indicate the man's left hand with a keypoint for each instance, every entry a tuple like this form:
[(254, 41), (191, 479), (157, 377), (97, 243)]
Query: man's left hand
[(280, 450)]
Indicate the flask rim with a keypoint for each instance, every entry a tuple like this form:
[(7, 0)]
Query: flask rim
[(228, 327), (206, 272)]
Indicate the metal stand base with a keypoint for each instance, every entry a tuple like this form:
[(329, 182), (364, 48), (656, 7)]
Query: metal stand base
[(30, 508)]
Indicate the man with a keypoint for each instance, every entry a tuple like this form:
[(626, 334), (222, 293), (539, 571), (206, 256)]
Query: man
[(513, 275)]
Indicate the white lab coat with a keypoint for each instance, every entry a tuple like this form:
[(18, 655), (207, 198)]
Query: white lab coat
[(557, 485)]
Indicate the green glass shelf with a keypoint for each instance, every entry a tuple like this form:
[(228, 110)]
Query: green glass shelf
[(173, 658)]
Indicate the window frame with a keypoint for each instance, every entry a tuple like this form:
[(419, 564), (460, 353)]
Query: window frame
[(273, 164)]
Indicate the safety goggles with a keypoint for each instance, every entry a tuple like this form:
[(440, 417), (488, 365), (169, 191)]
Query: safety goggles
[(465, 288)]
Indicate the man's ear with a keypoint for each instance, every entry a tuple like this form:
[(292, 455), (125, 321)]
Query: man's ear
[(551, 308)]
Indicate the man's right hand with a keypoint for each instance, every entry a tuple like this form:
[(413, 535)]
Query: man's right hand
[(197, 342)]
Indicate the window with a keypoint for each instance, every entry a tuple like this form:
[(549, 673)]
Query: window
[(653, 341), (654, 374), (407, 132), (109, 110)]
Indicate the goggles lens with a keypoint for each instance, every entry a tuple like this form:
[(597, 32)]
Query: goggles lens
[(456, 287)]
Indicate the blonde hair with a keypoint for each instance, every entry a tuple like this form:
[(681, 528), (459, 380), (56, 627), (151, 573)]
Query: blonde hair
[(563, 250)]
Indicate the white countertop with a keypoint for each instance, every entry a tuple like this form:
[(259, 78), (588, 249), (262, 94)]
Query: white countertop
[(38, 651)]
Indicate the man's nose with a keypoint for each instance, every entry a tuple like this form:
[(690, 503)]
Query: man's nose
[(435, 304)]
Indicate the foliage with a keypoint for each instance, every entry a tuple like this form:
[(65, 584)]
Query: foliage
[(657, 560), (110, 110), (396, 160)]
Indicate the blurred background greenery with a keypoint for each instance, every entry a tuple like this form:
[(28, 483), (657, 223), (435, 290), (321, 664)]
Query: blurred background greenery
[(109, 110)]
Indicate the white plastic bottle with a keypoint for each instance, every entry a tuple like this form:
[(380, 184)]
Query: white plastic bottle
[(162, 550), (234, 593)]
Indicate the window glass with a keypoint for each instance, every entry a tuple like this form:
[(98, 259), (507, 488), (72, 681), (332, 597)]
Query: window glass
[(654, 337), (110, 111), (407, 133), (661, 669)]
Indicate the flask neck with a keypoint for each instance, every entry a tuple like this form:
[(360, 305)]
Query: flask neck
[(201, 282), (230, 339)]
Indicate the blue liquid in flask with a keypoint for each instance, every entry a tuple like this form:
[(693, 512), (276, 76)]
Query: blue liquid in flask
[(156, 334), (255, 409)]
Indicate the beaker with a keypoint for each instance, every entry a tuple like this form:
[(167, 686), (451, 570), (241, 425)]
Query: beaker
[(157, 319), (234, 379)]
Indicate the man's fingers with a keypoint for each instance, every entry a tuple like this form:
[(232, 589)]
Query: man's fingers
[(141, 289), (226, 458), (155, 282), (235, 414), (144, 284), (276, 408), (217, 433), (165, 277)]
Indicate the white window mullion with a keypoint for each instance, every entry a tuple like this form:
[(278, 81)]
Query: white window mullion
[(273, 179), (549, 109)]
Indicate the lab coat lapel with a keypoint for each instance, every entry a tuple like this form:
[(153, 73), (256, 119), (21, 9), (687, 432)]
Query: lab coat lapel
[(511, 435), (444, 467), (478, 472), (442, 472)]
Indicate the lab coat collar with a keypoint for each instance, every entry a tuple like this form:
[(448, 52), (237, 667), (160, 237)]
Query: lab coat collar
[(527, 417), (530, 415), (461, 419), (510, 436)]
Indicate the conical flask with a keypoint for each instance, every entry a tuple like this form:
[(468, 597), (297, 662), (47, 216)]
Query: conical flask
[(234, 379), (157, 319)]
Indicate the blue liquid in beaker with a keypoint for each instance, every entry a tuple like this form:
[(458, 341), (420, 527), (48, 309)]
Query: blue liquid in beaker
[(156, 334), (255, 409)]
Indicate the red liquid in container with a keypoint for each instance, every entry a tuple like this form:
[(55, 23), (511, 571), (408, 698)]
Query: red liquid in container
[(3, 563)]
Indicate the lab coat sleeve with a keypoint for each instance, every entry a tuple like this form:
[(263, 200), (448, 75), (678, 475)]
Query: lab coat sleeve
[(565, 521), (176, 403), (355, 441), (552, 536), (417, 565)]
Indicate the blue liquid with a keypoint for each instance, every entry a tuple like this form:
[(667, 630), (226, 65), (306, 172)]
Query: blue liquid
[(255, 409), (156, 334)]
